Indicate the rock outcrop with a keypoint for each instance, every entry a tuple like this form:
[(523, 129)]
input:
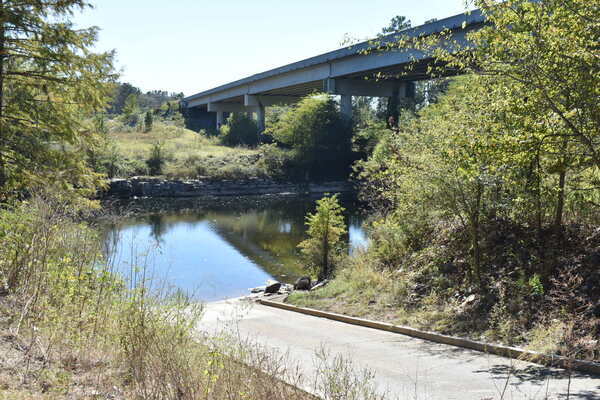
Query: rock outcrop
[(156, 187)]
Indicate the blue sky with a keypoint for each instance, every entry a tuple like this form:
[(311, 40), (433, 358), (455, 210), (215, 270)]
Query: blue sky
[(191, 45)]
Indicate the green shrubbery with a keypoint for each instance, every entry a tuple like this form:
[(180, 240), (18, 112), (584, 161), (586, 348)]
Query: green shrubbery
[(318, 137), (240, 130)]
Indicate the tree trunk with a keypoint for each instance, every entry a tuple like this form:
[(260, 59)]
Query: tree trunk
[(325, 261), (560, 199), (475, 233)]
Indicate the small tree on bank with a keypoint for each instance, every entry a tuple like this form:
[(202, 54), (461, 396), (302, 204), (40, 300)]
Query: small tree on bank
[(326, 227)]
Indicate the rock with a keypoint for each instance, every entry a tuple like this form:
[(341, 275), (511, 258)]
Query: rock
[(447, 268), (273, 288), (303, 283), (470, 299), (258, 289)]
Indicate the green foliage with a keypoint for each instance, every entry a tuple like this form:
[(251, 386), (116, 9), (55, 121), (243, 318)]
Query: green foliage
[(148, 121), (536, 285), (240, 130), (326, 228), (49, 81), (131, 110), (121, 94), (318, 136), (397, 24), (276, 162), (157, 159)]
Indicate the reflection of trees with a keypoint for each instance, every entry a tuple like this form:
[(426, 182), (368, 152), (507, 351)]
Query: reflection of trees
[(267, 235), (258, 235), (158, 227)]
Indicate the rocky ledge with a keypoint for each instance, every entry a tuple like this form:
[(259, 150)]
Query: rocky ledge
[(156, 187)]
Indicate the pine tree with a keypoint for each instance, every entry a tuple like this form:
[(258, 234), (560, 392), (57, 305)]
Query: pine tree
[(50, 82), (148, 121), (326, 227)]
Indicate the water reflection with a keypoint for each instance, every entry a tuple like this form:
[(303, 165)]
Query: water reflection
[(219, 250)]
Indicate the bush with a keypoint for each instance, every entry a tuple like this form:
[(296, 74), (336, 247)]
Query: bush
[(240, 130), (276, 162), (157, 160), (318, 136)]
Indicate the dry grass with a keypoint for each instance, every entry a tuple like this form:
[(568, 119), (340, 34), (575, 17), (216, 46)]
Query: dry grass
[(186, 154), (178, 142)]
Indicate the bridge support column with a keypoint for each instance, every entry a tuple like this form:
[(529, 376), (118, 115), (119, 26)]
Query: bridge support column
[(260, 118), (220, 119), (346, 106)]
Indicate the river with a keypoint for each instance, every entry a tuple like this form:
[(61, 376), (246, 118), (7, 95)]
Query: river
[(216, 249)]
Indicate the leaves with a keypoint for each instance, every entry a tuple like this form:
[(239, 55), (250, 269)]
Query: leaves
[(51, 83)]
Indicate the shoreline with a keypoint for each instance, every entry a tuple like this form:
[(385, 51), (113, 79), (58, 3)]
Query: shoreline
[(142, 187)]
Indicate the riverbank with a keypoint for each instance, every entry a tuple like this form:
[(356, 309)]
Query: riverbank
[(428, 292), (158, 187)]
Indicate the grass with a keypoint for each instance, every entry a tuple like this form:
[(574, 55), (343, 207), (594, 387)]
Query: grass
[(179, 143), (184, 155), (360, 289)]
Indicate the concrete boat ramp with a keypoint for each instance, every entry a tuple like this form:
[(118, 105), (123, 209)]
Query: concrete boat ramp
[(402, 367)]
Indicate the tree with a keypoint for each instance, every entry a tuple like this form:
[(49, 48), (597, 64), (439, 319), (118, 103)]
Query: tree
[(543, 58), (121, 93), (326, 228), (388, 107), (49, 81), (317, 134), (148, 121), (131, 110), (547, 53), (397, 24), (157, 159)]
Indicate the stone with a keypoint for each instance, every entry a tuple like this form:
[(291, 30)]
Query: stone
[(303, 283), (273, 288)]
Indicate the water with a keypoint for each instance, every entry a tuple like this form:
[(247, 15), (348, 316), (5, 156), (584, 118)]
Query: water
[(217, 249)]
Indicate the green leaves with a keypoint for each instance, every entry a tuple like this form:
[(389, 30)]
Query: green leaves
[(326, 228), (50, 84)]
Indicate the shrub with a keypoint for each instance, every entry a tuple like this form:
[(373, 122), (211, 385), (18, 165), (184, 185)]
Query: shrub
[(240, 130), (148, 121), (275, 161), (157, 159)]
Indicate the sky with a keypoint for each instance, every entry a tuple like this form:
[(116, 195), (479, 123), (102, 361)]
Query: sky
[(193, 45)]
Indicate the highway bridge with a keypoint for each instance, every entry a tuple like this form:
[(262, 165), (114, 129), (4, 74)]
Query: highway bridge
[(346, 72)]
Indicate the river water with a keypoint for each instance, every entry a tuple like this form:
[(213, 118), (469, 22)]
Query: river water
[(216, 249)]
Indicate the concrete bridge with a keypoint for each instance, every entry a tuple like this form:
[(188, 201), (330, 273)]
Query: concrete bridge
[(357, 70)]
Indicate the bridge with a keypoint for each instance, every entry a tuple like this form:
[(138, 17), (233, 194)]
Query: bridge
[(347, 72)]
